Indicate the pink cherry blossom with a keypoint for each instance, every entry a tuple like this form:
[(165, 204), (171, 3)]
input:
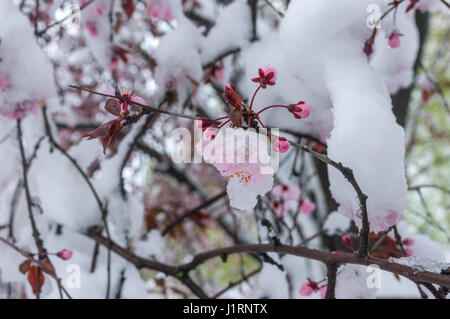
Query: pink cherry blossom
[(247, 176), (307, 207), (301, 110), (308, 287), (65, 254), (266, 76)]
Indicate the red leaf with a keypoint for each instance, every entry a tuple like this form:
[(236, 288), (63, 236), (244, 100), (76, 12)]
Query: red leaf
[(128, 6), (25, 266), (48, 267), (36, 278)]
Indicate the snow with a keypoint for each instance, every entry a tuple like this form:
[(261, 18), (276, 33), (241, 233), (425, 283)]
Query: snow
[(352, 283), (224, 35), (21, 58), (421, 264), (327, 59), (336, 223)]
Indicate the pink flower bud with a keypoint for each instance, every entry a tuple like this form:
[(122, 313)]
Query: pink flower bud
[(65, 254), (409, 252), (347, 242), (301, 110), (280, 144), (394, 39)]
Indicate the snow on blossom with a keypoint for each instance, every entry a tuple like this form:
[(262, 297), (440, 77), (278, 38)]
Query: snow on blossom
[(360, 102), (26, 75), (351, 283), (242, 157)]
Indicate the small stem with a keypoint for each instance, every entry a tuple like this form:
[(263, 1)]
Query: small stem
[(271, 106), (223, 124), (253, 97)]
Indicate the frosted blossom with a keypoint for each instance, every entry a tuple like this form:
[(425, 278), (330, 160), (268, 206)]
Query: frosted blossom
[(26, 75), (242, 164)]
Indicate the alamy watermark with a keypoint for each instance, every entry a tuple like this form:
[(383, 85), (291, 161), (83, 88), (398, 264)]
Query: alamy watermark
[(228, 146)]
